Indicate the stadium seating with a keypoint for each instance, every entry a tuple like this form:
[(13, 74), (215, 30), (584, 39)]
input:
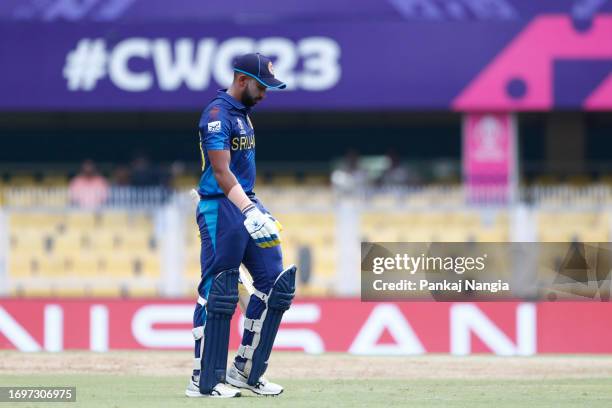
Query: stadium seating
[(101, 254), (568, 226), (434, 226), (60, 250)]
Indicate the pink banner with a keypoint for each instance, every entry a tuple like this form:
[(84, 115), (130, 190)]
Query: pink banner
[(489, 160), (316, 326)]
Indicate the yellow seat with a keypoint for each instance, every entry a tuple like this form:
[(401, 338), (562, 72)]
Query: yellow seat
[(566, 226), (35, 291), (20, 266), (284, 180), (31, 242), (104, 241), (22, 180), (67, 291), (137, 240), (316, 180), (147, 266), (56, 266), (70, 242), (104, 291), (54, 181), (85, 266), (185, 182), (115, 219), (143, 292), (120, 266), (36, 220), (81, 220), (312, 290)]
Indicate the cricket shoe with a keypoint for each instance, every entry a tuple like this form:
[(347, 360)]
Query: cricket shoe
[(219, 391), (237, 378)]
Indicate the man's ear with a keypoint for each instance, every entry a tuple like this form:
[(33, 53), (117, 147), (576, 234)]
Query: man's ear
[(243, 80)]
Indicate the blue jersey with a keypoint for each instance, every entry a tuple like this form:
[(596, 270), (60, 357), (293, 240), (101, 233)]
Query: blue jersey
[(225, 125)]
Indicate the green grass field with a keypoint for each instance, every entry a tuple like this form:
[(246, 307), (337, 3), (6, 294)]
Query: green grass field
[(121, 380)]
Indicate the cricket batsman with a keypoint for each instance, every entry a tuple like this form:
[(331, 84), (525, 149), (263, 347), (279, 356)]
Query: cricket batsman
[(236, 228)]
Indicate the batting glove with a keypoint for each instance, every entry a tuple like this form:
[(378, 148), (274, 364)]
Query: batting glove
[(262, 228)]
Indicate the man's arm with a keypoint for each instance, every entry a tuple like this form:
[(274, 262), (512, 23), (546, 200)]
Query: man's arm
[(220, 161)]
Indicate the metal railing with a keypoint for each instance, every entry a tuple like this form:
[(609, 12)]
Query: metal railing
[(595, 195)]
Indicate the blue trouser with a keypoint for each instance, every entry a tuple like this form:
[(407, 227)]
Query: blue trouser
[(225, 244)]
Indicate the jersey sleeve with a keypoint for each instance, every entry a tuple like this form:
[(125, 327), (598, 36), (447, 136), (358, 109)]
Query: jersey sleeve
[(216, 129)]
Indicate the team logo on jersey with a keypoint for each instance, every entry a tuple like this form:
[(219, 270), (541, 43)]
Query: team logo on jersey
[(214, 127), (271, 67), (243, 142), (241, 126)]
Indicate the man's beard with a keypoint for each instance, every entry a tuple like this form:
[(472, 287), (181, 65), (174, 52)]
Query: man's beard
[(248, 100)]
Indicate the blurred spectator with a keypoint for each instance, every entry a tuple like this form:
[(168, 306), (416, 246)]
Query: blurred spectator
[(396, 174), (143, 173), (121, 176), (350, 177), (176, 173), (121, 183), (88, 189)]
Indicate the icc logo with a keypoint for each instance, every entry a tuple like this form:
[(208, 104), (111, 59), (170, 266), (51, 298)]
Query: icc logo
[(489, 138)]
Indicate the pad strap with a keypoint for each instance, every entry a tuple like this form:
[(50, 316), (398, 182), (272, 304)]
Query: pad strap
[(246, 351), (262, 296), (253, 325), (198, 333)]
